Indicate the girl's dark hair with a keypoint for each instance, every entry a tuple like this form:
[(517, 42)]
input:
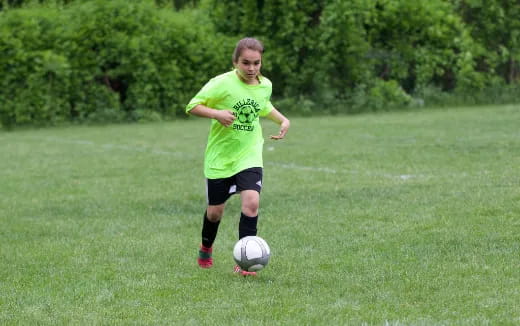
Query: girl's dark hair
[(247, 43)]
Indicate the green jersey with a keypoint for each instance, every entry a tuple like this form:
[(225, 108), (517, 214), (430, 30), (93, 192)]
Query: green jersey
[(239, 146)]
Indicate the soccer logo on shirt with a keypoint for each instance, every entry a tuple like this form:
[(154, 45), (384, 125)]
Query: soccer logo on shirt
[(246, 112)]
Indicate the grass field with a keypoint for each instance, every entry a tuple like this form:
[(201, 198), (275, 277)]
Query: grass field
[(409, 218)]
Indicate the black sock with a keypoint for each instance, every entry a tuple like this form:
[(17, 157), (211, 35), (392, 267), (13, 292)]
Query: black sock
[(247, 226), (209, 231)]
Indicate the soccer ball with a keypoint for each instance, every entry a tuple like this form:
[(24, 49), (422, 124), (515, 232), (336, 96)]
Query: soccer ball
[(251, 253), (246, 114)]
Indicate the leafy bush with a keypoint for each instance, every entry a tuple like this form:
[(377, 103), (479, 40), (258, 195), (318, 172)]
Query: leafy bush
[(500, 93), (104, 61), (494, 24), (337, 50), (377, 95), (289, 30), (35, 76), (413, 42), (95, 60), (344, 46), (9, 4), (152, 58)]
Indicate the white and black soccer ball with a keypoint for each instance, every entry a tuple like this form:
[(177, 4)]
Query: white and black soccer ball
[(251, 253)]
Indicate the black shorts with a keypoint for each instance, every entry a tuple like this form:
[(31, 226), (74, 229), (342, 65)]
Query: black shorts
[(218, 191)]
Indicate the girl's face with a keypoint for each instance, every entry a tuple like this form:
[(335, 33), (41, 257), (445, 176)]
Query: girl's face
[(248, 66)]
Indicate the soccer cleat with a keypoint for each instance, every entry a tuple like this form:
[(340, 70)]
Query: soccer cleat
[(205, 260), (239, 270)]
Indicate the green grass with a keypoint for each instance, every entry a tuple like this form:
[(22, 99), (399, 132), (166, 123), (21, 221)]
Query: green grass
[(408, 218)]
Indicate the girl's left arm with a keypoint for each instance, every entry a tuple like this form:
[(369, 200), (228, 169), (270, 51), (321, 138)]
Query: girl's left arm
[(280, 119)]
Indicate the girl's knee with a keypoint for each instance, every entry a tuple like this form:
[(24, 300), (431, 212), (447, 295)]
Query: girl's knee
[(250, 208), (215, 213), (250, 202)]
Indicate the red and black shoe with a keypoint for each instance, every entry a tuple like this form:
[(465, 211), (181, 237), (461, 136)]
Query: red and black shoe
[(205, 260), (239, 270)]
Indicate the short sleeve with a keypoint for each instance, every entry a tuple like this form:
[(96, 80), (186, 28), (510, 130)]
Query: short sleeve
[(209, 92), (267, 109)]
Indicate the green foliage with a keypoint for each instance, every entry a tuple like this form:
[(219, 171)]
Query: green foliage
[(494, 24), (177, 4), (430, 46), (289, 31), (499, 93), (336, 51), (12, 4), (35, 74), (344, 45), (153, 59), (362, 40), (380, 96), (103, 61), (9, 4), (376, 95), (94, 60)]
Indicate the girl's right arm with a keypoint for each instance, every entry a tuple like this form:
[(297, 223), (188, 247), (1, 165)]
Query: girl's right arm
[(225, 117)]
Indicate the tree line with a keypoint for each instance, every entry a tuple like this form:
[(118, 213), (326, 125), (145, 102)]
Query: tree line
[(95, 60)]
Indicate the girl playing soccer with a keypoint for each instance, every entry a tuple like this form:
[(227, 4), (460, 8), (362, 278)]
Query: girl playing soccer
[(234, 101)]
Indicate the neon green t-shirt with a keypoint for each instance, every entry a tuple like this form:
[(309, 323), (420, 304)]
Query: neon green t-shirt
[(239, 146)]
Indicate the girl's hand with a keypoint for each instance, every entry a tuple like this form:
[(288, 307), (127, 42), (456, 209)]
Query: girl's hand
[(284, 127), (225, 117)]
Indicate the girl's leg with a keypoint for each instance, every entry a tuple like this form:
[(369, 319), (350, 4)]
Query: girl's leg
[(248, 220), (249, 217), (212, 218), (211, 223)]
